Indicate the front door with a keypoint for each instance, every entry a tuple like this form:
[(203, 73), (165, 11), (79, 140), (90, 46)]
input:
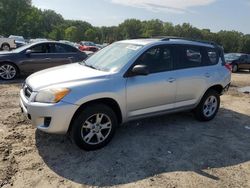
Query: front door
[(156, 91), (38, 59)]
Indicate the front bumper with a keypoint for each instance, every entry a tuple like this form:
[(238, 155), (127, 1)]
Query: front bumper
[(59, 114)]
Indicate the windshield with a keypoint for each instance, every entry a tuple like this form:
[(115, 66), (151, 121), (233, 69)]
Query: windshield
[(20, 49), (232, 57), (17, 38), (113, 57)]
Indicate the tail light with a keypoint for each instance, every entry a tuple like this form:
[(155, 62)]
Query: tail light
[(229, 67)]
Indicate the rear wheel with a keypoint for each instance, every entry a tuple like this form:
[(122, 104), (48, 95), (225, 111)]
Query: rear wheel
[(208, 107), (94, 127), (8, 71), (5, 47), (235, 68)]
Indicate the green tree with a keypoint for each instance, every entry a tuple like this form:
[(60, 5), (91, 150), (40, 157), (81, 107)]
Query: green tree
[(131, 29), (91, 34), (231, 40), (245, 44), (19, 17), (12, 15), (71, 33), (153, 28)]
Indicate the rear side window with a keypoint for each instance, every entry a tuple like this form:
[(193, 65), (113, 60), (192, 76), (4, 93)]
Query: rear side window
[(244, 58), (189, 56), (193, 56), (248, 58), (61, 48), (69, 48)]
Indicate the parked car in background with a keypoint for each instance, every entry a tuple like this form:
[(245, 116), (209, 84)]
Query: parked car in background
[(100, 46), (68, 42), (238, 61), (38, 40), (19, 40), (7, 44), (127, 80), (37, 56), (88, 46)]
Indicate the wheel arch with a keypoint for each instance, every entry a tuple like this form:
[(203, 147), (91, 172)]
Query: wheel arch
[(5, 43), (218, 88), (113, 104)]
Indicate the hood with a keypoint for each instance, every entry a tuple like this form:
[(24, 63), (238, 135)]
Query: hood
[(63, 75)]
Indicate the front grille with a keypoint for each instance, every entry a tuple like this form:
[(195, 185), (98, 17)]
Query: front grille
[(27, 91)]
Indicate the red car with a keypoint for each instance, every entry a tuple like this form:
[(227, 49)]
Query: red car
[(88, 46)]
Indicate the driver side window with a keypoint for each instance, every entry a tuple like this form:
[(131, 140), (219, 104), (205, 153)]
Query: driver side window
[(157, 59), (40, 48)]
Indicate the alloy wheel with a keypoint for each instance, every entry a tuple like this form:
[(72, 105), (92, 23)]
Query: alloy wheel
[(7, 71), (96, 129), (210, 106)]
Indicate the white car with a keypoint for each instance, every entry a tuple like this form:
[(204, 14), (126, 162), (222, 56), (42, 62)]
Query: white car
[(7, 44)]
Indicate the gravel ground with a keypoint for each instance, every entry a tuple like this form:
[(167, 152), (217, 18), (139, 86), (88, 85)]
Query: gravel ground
[(167, 151)]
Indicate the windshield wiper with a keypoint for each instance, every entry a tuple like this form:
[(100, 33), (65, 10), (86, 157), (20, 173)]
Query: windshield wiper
[(87, 65)]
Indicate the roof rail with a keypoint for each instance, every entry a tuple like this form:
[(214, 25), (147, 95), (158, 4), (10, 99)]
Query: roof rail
[(188, 39)]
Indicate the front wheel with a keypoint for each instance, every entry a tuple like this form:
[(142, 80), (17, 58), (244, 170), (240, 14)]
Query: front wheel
[(94, 127), (8, 71), (208, 106)]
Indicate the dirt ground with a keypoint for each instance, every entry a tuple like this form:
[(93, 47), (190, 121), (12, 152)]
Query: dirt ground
[(167, 151)]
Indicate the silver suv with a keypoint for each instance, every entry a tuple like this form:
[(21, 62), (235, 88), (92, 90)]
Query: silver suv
[(127, 80)]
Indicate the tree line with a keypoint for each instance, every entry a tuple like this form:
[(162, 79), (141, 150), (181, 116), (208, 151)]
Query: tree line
[(19, 17)]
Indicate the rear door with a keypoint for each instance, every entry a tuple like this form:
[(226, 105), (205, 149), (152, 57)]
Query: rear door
[(63, 54), (194, 73)]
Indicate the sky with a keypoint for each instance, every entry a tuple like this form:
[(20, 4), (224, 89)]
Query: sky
[(215, 15)]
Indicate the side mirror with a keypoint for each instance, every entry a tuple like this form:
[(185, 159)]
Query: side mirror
[(28, 52), (140, 70)]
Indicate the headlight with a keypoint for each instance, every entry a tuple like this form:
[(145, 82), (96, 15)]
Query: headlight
[(51, 95)]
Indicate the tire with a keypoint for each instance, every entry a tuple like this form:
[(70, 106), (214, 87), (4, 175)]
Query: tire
[(235, 68), (8, 71), (90, 134), (208, 106), (5, 47)]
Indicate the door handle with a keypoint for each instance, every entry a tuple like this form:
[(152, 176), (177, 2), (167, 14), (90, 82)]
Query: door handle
[(70, 57), (171, 80), (47, 59), (207, 75)]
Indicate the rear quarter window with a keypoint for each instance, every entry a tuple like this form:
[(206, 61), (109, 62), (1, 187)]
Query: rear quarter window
[(211, 56)]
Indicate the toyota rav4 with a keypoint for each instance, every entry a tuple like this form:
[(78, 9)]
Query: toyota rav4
[(127, 80)]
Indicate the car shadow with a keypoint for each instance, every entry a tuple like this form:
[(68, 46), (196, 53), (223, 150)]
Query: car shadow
[(242, 72), (142, 149), (19, 80)]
